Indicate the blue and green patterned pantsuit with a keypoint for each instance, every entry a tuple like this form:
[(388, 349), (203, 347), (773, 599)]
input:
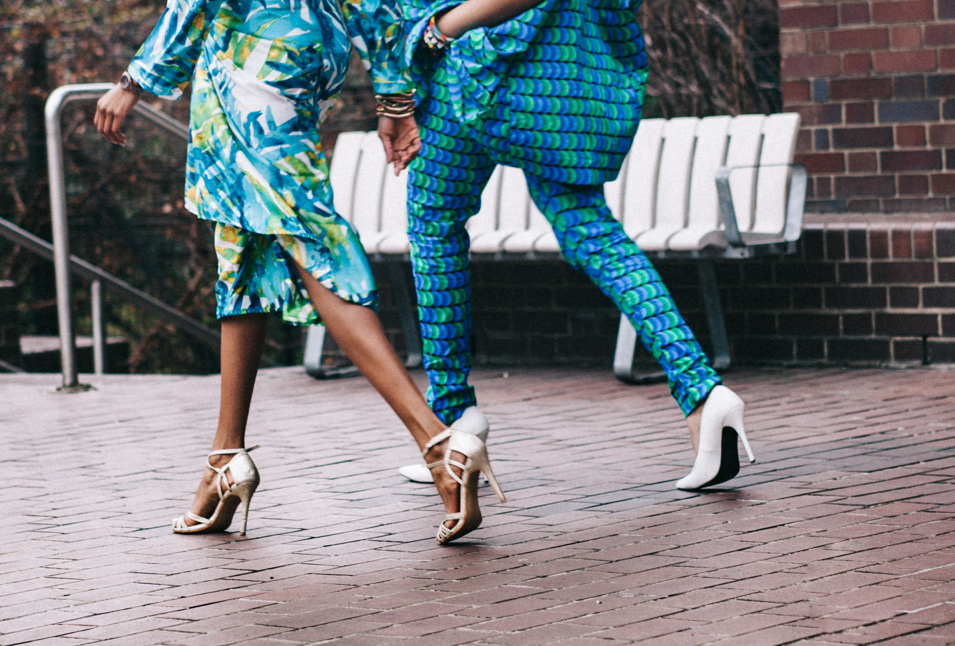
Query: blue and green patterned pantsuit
[(556, 92)]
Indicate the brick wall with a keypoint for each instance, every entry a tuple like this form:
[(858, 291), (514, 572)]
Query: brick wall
[(875, 84), (857, 293)]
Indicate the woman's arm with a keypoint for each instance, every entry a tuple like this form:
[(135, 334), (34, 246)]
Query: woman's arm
[(481, 13), (163, 66)]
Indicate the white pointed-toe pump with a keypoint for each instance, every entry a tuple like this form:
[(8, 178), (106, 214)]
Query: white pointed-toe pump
[(717, 459), (245, 479), (468, 517)]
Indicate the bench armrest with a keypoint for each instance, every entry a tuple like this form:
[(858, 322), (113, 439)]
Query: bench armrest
[(795, 206)]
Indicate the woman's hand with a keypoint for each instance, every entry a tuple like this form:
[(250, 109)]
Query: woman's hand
[(400, 139), (111, 111)]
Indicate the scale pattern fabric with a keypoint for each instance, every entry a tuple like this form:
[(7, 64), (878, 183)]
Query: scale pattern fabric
[(444, 190), (570, 73), (264, 74)]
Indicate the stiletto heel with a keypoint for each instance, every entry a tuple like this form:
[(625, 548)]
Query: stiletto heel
[(718, 459), (476, 461), (472, 421), (245, 480)]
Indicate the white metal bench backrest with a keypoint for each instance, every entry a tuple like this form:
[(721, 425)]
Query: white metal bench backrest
[(779, 143), (344, 170), (665, 194), (369, 184)]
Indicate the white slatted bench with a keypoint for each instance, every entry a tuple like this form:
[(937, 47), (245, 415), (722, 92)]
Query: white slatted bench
[(716, 187)]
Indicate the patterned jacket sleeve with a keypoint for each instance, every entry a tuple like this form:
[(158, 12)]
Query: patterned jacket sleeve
[(166, 61), (375, 29)]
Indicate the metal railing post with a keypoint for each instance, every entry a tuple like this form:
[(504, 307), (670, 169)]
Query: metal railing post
[(61, 248), (99, 330)]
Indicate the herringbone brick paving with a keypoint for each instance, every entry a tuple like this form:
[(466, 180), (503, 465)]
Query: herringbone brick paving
[(842, 533)]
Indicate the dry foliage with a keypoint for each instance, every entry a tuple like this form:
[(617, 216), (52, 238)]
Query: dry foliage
[(706, 57), (712, 57)]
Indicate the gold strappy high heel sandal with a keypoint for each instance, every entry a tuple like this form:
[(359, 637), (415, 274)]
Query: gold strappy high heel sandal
[(468, 516), (245, 479)]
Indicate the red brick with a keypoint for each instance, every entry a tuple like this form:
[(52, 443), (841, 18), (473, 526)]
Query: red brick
[(857, 63), (901, 243), (906, 37), (816, 114), (818, 43), (811, 16), (946, 59), (902, 11), (853, 13), (804, 66), (860, 112), (823, 187), (795, 91), (863, 162), (866, 185), (817, 163), (877, 88), (942, 135), (910, 135), (943, 183), (905, 61), (940, 34), (910, 160), (868, 39), (913, 185), (880, 137), (922, 240), (793, 43)]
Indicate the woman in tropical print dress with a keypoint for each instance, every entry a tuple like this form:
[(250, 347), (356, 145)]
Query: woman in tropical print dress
[(264, 73)]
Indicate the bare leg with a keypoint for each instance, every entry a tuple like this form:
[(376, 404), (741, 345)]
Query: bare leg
[(242, 341), (357, 331)]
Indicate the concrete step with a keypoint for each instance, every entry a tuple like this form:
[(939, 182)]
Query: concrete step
[(42, 354)]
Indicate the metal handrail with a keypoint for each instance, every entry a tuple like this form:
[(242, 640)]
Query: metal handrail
[(96, 275), (62, 259)]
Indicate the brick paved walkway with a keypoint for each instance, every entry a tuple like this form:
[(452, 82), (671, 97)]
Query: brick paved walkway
[(842, 533)]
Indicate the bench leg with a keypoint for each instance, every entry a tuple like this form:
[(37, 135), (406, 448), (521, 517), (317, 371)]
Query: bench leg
[(406, 315), (314, 345), (623, 357), (315, 337), (714, 314)]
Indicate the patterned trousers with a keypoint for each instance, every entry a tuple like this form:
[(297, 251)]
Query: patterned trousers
[(444, 190)]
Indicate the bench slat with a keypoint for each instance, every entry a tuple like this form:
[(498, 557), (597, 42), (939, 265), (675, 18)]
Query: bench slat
[(703, 213), (779, 144), (673, 184), (343, 170)]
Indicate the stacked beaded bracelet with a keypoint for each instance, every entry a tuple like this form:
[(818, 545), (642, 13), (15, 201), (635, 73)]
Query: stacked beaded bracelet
[(397, 106), (433, 39)]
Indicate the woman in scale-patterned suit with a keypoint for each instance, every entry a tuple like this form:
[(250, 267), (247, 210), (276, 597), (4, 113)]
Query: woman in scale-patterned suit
[(556, 91)]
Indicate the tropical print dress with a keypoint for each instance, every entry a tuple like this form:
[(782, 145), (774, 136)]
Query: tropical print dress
[(264, 74)]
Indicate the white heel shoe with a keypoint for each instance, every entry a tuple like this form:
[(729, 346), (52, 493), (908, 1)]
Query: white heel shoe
[(717, 459), (468, 517), (472, 421), (245, 480)]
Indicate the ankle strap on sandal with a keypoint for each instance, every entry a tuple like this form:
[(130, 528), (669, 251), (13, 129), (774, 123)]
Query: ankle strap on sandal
[(437, 439), (233, 451)]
